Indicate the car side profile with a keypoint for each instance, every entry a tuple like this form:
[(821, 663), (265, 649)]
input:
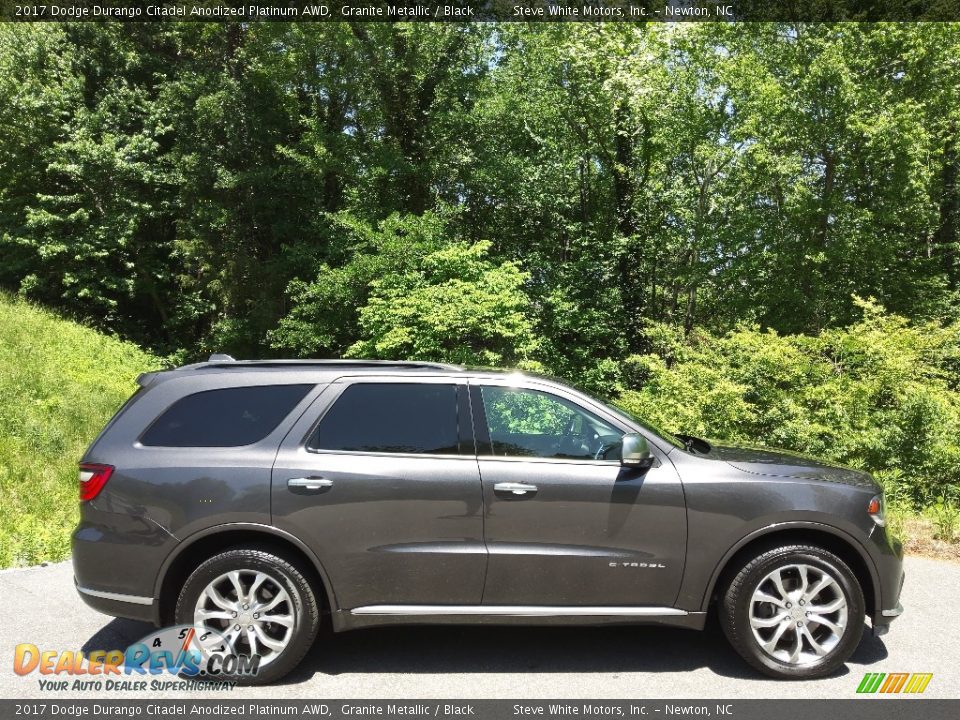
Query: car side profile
[(259, 499)]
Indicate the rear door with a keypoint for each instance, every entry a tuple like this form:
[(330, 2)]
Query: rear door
[(565, 523), (380, 478)]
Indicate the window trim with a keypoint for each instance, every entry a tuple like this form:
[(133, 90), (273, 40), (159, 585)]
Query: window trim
[(340, 386)]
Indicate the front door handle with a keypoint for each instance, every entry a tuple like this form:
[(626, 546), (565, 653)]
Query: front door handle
[(309, 483), (515, 488)]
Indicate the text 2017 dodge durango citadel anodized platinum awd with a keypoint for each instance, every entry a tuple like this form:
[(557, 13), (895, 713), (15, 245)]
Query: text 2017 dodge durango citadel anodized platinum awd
[(258, 498)]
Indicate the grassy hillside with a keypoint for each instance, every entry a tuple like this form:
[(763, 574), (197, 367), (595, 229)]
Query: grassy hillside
[(59, 384)]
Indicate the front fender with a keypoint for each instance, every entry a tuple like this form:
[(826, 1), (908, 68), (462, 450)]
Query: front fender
[(777, 528)]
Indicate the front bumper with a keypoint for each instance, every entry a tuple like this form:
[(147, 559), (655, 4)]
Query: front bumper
[(881, 621)]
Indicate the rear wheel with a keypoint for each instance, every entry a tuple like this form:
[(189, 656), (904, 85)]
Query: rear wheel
[(260, 603), (795, 611)]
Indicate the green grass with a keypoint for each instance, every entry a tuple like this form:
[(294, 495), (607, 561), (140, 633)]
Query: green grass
[(59, 384)]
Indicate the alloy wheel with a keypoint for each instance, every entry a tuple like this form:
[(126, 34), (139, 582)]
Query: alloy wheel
[(251, 610), (798, 613)]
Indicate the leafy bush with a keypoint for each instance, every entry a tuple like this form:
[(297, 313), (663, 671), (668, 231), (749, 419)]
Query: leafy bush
[(882, 395), (946, 519), (412, 290), (59, 384)]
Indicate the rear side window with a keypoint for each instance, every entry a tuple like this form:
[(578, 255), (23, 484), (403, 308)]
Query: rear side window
[(391, 417), (228, 417)]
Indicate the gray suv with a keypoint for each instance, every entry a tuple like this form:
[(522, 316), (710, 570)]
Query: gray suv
[(258, 499)]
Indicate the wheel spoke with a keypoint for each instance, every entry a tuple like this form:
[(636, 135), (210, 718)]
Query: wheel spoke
[(829, 607), (276, 600), (219, 600), (231, 638), (760, 596), (237, 586), (795, 653), (214, 614), (276, 645), (777, 578), (820, 620), (817, 647), (804, 582), (771, 644), (824, 582), (252, 639), (285, 620), (257, 582), (768, 622)]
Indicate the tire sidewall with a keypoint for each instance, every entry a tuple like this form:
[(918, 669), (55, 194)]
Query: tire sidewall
[(282, 572), (855, 613)]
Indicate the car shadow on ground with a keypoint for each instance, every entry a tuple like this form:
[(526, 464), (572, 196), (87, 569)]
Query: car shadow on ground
[(452, 649), (471, 649), (118, 634)]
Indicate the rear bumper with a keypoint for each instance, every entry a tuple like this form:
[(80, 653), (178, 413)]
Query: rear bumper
[(132, 607), (116, 559)]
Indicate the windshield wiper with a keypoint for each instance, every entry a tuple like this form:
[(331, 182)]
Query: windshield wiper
[(693, 444)]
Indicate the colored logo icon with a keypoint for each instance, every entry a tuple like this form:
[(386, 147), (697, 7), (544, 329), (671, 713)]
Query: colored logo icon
[(894, 683)]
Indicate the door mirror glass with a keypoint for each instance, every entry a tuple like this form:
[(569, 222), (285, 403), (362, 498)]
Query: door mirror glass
[(635, 451)]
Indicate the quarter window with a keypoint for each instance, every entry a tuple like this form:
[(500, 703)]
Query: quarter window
[(416, 418), (228, 417), (530, 423)]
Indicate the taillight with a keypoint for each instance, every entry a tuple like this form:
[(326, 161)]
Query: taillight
[(875, 510), (92, 479)]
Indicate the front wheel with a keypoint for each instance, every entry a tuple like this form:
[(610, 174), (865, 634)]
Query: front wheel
[(259, 603), (795, 611)]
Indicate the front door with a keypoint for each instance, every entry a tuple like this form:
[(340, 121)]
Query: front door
[(565, 523), (381, 482)]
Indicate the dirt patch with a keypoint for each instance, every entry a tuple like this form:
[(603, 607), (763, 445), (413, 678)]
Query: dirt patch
[(919, 533)]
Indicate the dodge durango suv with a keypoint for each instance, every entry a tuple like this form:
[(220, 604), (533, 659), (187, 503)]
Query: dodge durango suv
[(258, 499)]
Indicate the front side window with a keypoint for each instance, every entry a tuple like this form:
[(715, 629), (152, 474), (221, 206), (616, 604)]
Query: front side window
[(416, 418), (228, 417), (530, 423)]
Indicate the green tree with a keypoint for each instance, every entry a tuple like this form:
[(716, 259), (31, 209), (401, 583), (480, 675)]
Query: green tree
[(456, 305)]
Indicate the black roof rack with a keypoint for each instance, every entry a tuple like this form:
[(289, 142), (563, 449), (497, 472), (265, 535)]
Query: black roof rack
[(227, 362)]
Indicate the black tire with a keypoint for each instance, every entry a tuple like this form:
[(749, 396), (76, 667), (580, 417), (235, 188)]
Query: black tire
[(735, 609), (305, 606)]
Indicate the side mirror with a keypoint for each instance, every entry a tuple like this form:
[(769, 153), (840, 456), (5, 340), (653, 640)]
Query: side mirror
[(635, 452)]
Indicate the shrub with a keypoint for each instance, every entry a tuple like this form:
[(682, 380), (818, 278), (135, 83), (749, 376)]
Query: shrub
[(881, 395)]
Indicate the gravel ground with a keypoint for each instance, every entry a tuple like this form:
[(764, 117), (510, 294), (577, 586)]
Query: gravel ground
[(41, 607)]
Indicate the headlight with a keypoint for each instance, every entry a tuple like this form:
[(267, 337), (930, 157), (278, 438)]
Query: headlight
[(875, 510)]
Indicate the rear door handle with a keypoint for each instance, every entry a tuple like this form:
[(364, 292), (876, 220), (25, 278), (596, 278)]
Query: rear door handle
[(309, 483), (515, 488)]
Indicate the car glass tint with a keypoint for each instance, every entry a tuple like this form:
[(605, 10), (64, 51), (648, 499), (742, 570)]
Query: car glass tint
[(228, 417), (411, 418)]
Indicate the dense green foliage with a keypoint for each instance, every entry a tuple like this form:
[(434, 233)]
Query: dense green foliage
[(60, 383), (239, 187), (682, 213), (881, 395)]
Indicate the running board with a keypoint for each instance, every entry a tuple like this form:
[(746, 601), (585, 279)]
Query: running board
[(518, 610)]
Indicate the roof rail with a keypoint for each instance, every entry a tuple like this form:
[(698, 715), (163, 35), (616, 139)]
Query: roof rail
[(227, 362)]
